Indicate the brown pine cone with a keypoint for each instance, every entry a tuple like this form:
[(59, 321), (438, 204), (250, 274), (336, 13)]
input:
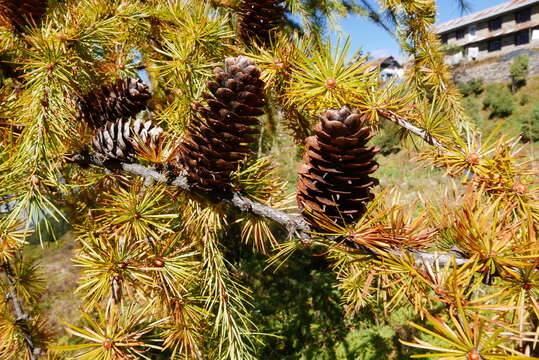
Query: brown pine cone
[(16, 13), (218, 139), (258, 18), (121, 100), (334, 178), (116, 140)]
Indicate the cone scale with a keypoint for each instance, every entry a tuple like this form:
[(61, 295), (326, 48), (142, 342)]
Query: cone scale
[(257, 19), (116, 140), (119, 100)]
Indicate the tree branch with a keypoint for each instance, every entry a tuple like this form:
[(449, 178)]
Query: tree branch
[(21, 317), (294, 224), (422, 133)]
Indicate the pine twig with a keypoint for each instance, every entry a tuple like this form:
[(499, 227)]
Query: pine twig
[(294, 224), (21, 317)]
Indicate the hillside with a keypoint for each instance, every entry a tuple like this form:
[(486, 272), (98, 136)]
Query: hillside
[(510, 114)]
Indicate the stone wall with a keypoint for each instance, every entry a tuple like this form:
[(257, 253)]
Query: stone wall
[(496, 70)]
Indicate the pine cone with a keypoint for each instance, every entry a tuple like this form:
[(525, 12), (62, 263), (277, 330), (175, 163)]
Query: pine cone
[(218, 139), (116, 140), (16, 13), (334, 178), (258, 18), (120, 100)]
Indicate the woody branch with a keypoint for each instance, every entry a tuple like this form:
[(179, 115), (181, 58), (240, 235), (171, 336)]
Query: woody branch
[(21, 317), (294, 224)]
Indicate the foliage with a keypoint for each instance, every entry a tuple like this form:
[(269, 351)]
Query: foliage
[(529, 125), (473, 109), (311, 324), (519, 71), (471, 87), (524, 99), (499, 101), (452, 49), (115, 335), (171, 270), (388, 138)]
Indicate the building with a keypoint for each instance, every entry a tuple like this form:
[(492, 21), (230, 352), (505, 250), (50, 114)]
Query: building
[(389, 68), (492, 32)]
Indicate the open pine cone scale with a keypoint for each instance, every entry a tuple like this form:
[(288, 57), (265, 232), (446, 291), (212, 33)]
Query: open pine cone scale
[(118, 139)]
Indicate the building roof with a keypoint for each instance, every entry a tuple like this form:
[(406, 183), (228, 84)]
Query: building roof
[(382, 63), (483, 14)]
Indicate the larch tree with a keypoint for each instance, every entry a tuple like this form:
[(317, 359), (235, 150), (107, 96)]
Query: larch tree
[(151, 174)]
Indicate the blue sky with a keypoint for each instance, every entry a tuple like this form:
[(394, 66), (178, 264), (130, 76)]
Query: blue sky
[(374, 40)]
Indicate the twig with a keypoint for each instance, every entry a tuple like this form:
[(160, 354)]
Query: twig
[(21, 317), (294, 224), (422, 133)]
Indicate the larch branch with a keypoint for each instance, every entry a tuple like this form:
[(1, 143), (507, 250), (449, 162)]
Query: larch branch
[(422, 133), (295, 225), (21, 317)]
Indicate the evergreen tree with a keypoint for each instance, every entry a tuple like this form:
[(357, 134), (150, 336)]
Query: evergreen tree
[(164, 180), (519, 71)]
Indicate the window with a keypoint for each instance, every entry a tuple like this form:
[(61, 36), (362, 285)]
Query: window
[(461, 33), (495, 24), (523, 15), (522, 37), (472, 30), (494, 44), (444, 38)]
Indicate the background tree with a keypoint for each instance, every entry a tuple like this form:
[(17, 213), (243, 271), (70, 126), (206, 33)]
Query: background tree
[(530, 125), (498, 101), (519, 71), (471, 87), (176, 199)]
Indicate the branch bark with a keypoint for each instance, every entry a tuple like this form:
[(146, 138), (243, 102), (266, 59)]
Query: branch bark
[(294, 224), (21, 317), (422, 133)]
